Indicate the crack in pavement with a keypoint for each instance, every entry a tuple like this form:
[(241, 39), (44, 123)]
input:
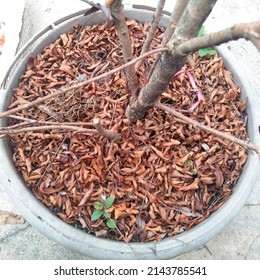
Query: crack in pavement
[(252, 204), (250, 246), (14, 233)]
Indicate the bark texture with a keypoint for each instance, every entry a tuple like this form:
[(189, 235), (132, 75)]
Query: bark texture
[(156, 19), (117, 11), (249, 31), (188, 26), (177, 12)]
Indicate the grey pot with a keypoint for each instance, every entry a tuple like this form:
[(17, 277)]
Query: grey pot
[(54, 228)]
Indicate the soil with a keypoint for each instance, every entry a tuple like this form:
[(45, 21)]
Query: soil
[(166, 176)]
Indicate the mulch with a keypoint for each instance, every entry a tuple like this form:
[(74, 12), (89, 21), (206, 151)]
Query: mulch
[(166, 175)]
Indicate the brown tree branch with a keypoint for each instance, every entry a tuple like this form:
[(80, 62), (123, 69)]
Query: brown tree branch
[(188, 26), (117, 11), (114, 136), (22, 124), (15, 129), (78, 85), (211, 130), (47, 127), (156, 19), (30, 121), (177, 12), (249, 31), (194, 15)]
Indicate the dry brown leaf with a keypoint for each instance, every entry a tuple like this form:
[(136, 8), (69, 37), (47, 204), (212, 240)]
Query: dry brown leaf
[(192, 186), (86, 196), (219, 177), (186, 211), (162, 169), (163, 213), (160, 154), (64, 39), (67, 69)]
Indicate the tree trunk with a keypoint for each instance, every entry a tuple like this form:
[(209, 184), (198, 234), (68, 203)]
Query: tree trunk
[(188, 26)]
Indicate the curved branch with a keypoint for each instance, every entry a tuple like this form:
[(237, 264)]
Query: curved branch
[(16, 129), (249, 31)]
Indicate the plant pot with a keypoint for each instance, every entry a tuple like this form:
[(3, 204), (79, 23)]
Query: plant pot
[(54, 228)]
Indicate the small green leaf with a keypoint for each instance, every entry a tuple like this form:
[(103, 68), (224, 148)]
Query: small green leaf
[(109, 201), (111, 223), (201, 31), (98, 205), (203, 52), (106, 215), (211, 52), (187, 163), (96, 215)]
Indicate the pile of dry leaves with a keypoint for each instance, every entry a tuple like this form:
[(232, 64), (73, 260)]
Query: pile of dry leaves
[(166, 176)]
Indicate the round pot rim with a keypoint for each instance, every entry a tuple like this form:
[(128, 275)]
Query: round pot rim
[(53, 227)]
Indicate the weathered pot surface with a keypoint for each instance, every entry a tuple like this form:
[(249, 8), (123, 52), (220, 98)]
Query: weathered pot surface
[(54, 228)]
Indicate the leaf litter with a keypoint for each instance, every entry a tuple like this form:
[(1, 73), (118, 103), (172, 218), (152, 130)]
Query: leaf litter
[(166, 175)]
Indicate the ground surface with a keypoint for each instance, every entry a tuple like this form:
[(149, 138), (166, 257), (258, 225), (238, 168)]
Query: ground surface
[(241, 239)]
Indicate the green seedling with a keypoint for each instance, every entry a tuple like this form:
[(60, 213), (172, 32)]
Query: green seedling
[(187, 163), (204, 51), (101, 211)]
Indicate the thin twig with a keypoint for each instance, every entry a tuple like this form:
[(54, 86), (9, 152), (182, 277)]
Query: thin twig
[(80, 84), (19, 125), (114, 136), (48, 122), (152, 31), (211, 130), (47, 127), (52, 160)]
